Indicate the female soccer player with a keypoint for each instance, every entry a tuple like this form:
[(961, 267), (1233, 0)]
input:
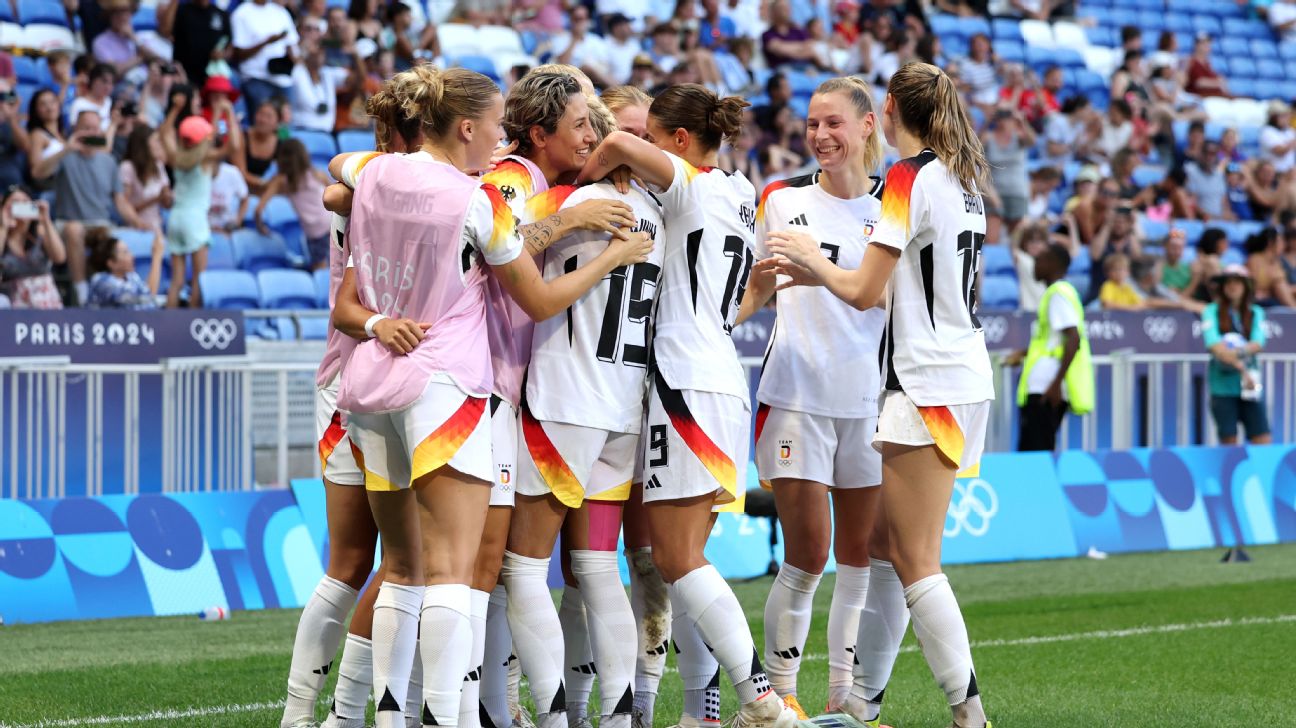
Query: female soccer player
[(648, 597), (818, 391), (352, 533), (936, 372), (698, 418), (417, 397), (580, 425)]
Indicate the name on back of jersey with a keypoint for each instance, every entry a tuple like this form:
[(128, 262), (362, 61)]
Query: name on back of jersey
[(972, 203), (747, 215), (646, 226)]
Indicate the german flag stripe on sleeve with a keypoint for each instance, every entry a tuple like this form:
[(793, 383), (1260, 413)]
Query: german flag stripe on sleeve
[(513, 180), (503, 223), (354, 165), (548, 202), (895, 198)]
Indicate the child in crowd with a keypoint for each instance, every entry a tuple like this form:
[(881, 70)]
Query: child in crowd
[(304, 186), (1118, 292), (188, 230)]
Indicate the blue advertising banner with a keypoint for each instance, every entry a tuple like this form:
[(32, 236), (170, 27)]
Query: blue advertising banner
[(110, 336), (81, 558)]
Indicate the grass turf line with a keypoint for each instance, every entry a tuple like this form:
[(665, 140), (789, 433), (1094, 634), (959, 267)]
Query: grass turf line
[(234, 672)]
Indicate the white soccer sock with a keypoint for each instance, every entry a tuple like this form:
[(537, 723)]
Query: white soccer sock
[(849, 592), (354, 683), (610, 620), (881, 628), (650, 603), (708, 599), (536, 632), (414, 696), (469, 703), (319, 633), (495, 662), (578, 657), (445, 641), (395, 633), (787, 624), (697, 666), (942, 634)]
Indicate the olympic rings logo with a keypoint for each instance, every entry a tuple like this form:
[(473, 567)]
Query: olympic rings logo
[(1160, 329), (995, 327), (213, 333), (971, 508)]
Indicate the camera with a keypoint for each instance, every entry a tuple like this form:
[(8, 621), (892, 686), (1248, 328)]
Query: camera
[(8, 97), (129, 108)]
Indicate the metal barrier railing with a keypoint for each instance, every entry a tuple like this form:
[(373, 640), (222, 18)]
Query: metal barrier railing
[(188, 425)]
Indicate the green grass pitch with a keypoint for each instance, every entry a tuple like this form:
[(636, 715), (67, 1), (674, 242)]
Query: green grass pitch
[(1155, 640)]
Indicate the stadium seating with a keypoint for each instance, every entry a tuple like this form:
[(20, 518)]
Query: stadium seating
[(42, 11), (997, 260), (999, 292), (220, 254), (234, 289), (481, 64), (280, 216), (321, 145), (255, 252), (355, 140), (321, 279), (284, 289)]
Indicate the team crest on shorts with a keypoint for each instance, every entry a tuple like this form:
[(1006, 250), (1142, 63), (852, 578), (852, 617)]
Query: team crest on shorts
[(505, 476), (785, 453)]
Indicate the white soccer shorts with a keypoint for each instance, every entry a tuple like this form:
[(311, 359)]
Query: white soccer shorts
[(504, 449), (830, 450), (337, 459), (957, 430), (696, 443), (574, 463), (442, 427)]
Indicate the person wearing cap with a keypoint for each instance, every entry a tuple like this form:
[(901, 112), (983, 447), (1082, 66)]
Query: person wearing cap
[(1278, 139), (188, 228), (1233, 332), (643, 73), (622, 48)]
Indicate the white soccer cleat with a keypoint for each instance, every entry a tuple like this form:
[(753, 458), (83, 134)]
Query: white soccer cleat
[(767, 712)]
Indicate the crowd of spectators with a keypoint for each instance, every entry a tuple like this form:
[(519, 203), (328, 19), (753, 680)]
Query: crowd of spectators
[(1123, 180)]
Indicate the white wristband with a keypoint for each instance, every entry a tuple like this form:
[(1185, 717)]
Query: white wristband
[(370, 324)]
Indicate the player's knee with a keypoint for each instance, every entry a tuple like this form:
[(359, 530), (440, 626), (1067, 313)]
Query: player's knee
[(351, 566), (810, 556)]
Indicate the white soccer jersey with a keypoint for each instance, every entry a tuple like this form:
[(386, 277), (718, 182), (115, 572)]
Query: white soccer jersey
[(822, 358), (706, 262), (588, 365), (934, 347)]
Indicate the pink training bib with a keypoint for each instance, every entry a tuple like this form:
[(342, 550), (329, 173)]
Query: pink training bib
[(410, 261), (338, 345)]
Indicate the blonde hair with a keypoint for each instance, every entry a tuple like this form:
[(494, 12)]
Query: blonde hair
[(694, 107), (389, 114), (587, 86), (438, 98), (928, 105), (623, 97), (601, 117), (858, 93), (539, 99)]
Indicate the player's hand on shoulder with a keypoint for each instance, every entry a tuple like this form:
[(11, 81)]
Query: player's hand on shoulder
[(608, 216), (634, 248), (400, 336)]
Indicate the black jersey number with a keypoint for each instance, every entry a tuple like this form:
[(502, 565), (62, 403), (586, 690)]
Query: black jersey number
[(969, 250), (642, 278), (832, 252), (739, 270)]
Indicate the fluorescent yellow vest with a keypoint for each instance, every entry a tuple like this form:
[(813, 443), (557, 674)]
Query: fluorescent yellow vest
[(1079, 378)]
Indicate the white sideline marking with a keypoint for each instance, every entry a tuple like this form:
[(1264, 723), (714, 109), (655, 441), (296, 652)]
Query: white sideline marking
[(1102, 634)]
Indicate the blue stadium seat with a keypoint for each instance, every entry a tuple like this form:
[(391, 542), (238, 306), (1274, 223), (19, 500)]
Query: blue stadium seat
[(1154, 5), (286, 288), (1103, 36), (139, 242), (256, 252), (800, 105), (321, 145), (481, 64), (1010, 51), (999, 292), (1245, 28), (314, 328), (1068, 58), (1178, 23), (50, 12), (1006, 29), (1233, 45), (943, 25), (220, 253), (1080, 263), (1243, 87), (25, 91), (1247, 228), (1240, 67), (1124, 16), (1233, 256), (144, 19), (1208, 24), (997, 260), (1150, 20), (1192, 229), (1147, 175), (26, 70), (1097, 13), (1264, 48), (234, 289), (1089, 81), (1271, 68), (1080, 280), (1155, 231), (1290, 65), (1038, 56), (7, 13), (1287, 51), (321, 278), (968, 27), (280, 216), (355, 140)]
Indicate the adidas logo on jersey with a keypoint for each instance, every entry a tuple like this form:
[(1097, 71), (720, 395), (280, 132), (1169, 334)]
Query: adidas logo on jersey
[(785, 453), (653, 482), (799, 220)]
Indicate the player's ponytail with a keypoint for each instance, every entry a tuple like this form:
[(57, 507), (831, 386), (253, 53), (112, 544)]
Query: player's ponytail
[(601, 118), (439, 98), (389, 114), (858, 92), (928, 106), (709, 119)]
